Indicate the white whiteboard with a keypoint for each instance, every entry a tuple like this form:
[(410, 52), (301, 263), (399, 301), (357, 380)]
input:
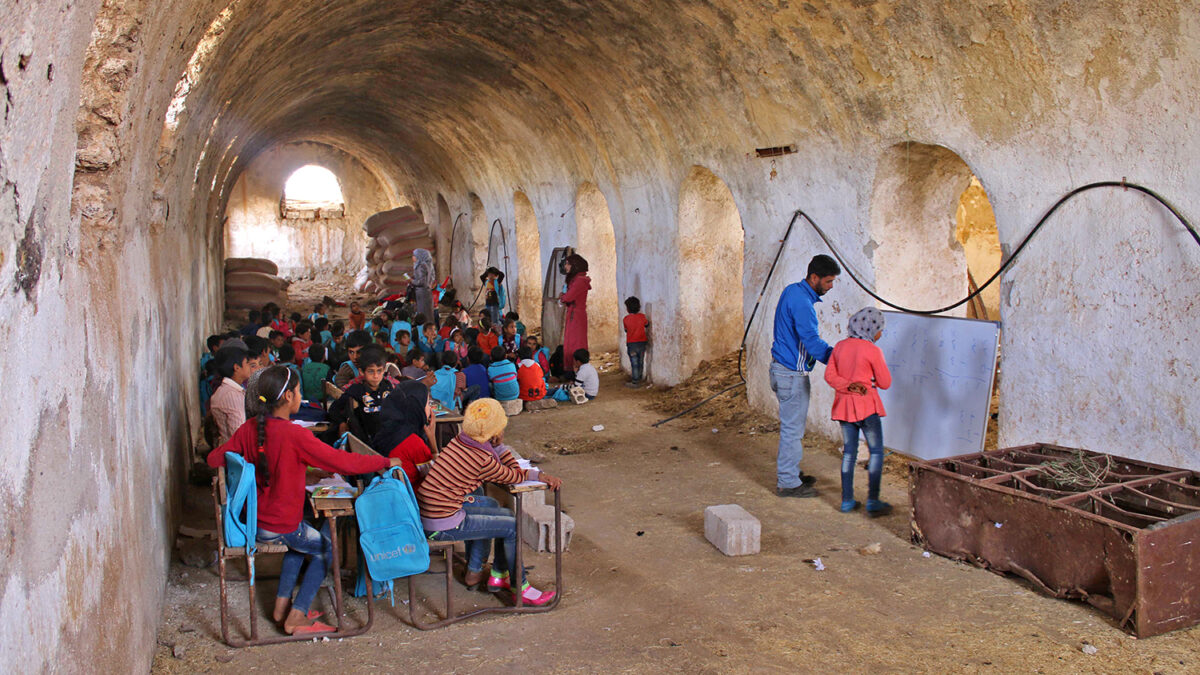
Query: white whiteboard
[(942, 372)]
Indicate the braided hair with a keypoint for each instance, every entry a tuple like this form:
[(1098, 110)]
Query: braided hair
[(269, 389)]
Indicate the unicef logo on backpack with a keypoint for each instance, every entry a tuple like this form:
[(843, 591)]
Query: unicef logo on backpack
[(391, 536)]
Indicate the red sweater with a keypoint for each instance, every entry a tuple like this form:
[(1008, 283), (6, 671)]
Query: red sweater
[(290, 449), (413, 452), (855, 360)]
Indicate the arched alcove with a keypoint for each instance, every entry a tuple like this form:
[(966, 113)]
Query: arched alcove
[(918, 260), (933, 233), (479, 248), (598, 245), (527, 297), (441, 236), (976, 232), (711, 246)]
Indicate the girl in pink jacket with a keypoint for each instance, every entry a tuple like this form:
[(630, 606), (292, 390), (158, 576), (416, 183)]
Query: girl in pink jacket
[(856, 371)]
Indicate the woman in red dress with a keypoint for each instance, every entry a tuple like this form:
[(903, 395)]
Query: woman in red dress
[(575, 322)]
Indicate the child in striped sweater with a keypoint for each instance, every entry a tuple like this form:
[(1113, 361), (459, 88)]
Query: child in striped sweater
[(451, 512)]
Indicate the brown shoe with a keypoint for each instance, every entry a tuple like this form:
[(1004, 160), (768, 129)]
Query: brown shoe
[(473, 579)]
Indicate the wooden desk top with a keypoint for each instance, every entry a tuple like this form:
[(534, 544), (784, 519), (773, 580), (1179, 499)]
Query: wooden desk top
[(448, 419), (517, 489)]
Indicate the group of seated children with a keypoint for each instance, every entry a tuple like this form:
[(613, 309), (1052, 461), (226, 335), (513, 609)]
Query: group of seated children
[(448, 489)]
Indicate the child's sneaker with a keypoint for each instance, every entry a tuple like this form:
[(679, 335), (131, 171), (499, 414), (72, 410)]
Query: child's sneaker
[(534, 597), (848, 506), (877, 508), (498, 582)]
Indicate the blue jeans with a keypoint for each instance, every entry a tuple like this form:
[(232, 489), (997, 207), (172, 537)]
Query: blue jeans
[(484, 521), (305, 542), (637, 359), (792, 388), (872, 428), (494, 314)]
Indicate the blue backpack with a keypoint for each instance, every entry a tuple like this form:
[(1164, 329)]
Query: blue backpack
[(443, 390), (390, 532), (240, 513)]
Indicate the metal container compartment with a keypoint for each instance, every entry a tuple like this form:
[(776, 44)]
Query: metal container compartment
[(1129, 546)]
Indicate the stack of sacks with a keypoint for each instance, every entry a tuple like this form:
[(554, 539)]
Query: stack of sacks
[(394, 236), (251, 283)]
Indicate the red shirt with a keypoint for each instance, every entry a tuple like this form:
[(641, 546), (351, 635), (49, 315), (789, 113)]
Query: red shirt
[(531, 381), (301, 347), (282, 326), (358, 319), (635, 327), (413, 452), (487, 342), (290, 450), (855, 360)]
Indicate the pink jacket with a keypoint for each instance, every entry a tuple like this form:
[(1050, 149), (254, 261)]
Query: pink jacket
[(855, 360)]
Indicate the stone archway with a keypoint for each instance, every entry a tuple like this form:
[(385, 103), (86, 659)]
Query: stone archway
[(711, 246), (527, 298), (918, 261), (598, 245)]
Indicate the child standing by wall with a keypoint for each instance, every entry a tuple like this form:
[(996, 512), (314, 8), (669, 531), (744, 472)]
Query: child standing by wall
[(636, 339), (856, 370), (494, 297), (282, 453)]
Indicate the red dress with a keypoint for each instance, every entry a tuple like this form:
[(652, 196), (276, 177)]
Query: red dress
[(575, 323)]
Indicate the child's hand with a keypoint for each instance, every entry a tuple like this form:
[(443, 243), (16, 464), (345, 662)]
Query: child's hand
[(858, 388), (553, 482)]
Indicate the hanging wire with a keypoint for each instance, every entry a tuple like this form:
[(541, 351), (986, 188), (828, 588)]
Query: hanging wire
[(1123, 184)]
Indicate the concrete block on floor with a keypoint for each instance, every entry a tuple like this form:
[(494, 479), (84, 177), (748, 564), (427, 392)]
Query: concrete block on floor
[(513, 407), (732, 529), (538, 528), (543, 404)]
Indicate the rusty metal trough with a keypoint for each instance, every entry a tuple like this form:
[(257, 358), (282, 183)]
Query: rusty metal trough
[(1128, 543)]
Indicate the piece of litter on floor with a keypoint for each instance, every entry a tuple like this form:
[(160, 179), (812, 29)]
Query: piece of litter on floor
[(598, 427), (641, 532), (871, 549), (325, 639), (925, 554), (715, 430), (999, 525), (1089, 650), (816, 563), (714, 464)]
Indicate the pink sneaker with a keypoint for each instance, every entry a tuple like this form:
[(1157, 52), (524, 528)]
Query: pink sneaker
[(534, 597), (496, 584)]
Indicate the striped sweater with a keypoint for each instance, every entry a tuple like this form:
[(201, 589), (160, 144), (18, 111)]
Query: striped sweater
[(460, 468)]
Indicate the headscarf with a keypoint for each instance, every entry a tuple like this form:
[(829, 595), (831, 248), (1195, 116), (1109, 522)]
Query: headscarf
[(402, 415), (578, 266), (865, 323), (423, 269)]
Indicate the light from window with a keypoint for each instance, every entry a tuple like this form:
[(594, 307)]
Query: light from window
[(312, 192)]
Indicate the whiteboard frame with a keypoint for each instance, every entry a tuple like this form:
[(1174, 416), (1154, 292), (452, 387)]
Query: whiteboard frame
[(991, 378)]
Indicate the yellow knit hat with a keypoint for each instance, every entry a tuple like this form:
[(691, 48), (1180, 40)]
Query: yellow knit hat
[(483, 419)]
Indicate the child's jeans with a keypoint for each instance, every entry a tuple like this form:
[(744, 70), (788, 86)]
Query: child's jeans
[(637, 359), (872, 428), (305, 542), (485, 520), (493, 313)]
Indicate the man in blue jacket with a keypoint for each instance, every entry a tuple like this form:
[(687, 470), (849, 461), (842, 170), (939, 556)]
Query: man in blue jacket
[(796, 348)]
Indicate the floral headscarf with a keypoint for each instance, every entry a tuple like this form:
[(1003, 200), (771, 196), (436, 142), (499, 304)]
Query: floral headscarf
[(865, 323)]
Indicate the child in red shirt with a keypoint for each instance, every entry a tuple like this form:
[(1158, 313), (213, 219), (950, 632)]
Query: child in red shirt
[(636, 339), (530, 377), (282, 452), (302, 340), (856, 368)]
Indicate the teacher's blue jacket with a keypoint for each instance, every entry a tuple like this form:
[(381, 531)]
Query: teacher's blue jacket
[(797, 344)]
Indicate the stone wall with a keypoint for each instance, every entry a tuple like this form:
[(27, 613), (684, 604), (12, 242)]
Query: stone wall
[(301, 246), (114, 236)]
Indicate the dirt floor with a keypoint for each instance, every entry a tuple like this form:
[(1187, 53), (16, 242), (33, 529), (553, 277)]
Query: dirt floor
[(645, 592)]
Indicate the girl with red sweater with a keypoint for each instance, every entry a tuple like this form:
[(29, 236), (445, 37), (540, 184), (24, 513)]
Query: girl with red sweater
[(282, 452), (856, 370)]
